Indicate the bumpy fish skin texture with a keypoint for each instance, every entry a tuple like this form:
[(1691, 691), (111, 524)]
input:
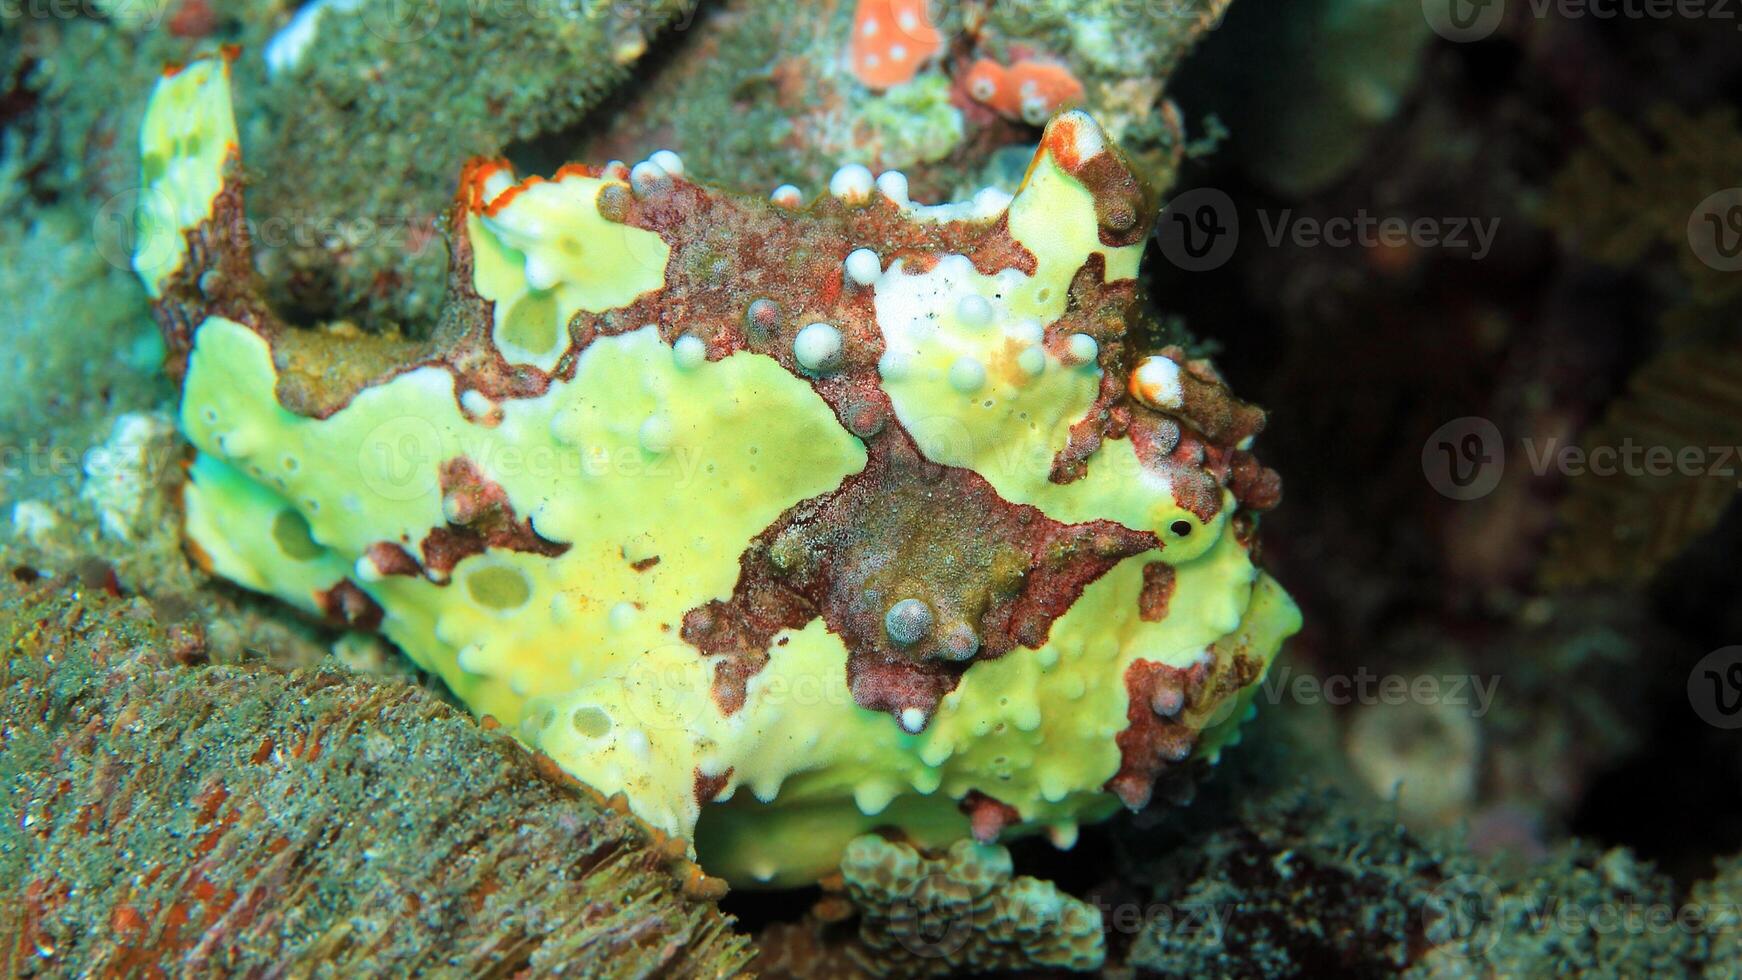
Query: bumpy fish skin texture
[(786, 523)]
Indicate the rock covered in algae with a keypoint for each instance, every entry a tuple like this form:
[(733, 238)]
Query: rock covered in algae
[(763, 93), (369, 108), (787, 523), (166, 818), (1294, 881)]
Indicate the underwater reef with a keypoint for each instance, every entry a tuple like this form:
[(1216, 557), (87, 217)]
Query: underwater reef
[(642, 488), (536, 488)]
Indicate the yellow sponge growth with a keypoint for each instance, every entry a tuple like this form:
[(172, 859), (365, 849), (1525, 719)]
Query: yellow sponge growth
[(638, 460), (1034, 729), (543, 251), (186, 144)]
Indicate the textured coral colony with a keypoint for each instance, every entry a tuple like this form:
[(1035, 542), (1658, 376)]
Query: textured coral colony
[(785, 522)]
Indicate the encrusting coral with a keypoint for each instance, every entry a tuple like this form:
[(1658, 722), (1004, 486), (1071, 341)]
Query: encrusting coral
[(962, 913), (786, 524)]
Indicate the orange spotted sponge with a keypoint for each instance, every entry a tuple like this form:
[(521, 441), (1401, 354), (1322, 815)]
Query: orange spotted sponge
[(891, 40), (1029, 90)]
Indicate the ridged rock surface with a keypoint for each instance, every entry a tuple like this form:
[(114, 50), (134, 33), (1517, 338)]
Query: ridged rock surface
[(165, 817)]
